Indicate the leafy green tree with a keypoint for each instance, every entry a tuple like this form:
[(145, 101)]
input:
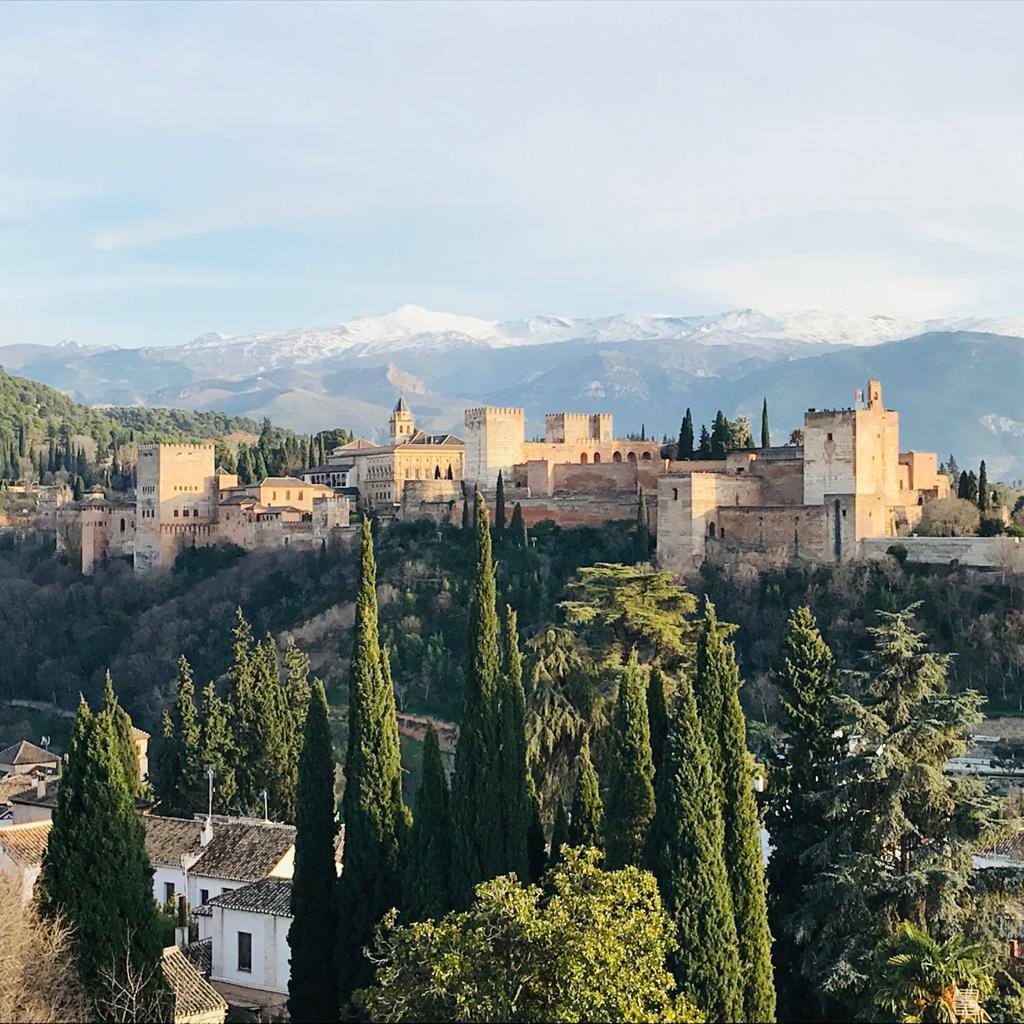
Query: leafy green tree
[(902, 833), (685, 850), (95, 871), (684, 447), (586, 826), (499, 504), (125, 736), (766, 434), (808, 685), (629, 804), (428, 864), (217, 747), (479, 833), (921, 976), (588, 946), (375, 817), (312, 983), (179, 778), (984, 496), (559, 834)]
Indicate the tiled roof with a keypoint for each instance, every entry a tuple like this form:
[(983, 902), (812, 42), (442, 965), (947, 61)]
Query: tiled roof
[(423, 438), (1008, 851), (193, 994), (26, 753), (338, 467), (357, 445), (200, 956), (14, 785), (30, 797), (267, 896), (25, 844), (168, 838), (280, 481)]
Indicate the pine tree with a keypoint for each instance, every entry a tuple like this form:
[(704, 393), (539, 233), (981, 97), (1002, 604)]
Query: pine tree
[(479, 835), (179, 778), (685, 852), (718, 681), (984, 497), (559, 835), (766, 435), (704, 451), (629, 805), (499, 503), (719, 436), (95, 871), (375, 817), (516, 796), (312, 985), (657, 712), (643, 533), (127, 750), (217, 746), (427, 893), (808, 685), (684, 447), (586, 825)]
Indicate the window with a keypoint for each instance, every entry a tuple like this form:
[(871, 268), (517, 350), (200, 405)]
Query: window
[(830, 437), (245, 951), (204, 897), (168, 892), (175, 513), (675, 493)]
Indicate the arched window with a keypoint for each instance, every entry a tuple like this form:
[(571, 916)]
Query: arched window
[(122, 526), (631, 457), (617, 457), (675, 493), (597, 456), (646, 457), (711, 529), (583, 458)]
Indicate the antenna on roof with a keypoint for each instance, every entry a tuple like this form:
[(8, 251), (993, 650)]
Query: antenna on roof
[(46, 742), (266, 816)]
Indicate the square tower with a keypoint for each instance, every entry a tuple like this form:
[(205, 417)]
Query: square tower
[(494, 441)]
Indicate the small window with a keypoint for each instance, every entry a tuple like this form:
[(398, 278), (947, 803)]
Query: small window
[(675, 493), (185, 512), (175, 513), (204, 897), (245, 951), (830, 437), (168, 892), (300, 495)]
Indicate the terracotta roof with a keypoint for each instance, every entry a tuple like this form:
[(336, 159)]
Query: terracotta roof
[(267, 896), (354, 446), (139, 734), (26, 753), (25, 844), (193, 994), (13, 785), (281, 481), (200, 956), (168, 838), (1008, 852)]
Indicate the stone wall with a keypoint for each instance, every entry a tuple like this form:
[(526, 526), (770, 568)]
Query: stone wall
[(782, 533), (494, 441), (1002, 553)]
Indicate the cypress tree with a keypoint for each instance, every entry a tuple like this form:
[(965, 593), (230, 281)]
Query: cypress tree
[(465, 508), (629, 805), (725, 728), (313, 986), (586, 825), (179, 768), (217, 746), (704, 450), (427, 893), (559, 834), (499, 504), (719, 436), (536, 848), (273, 728), (766, 435), (478, 833), (808, 685), (972, 486), (684, 447), (657, 712), (518, 527), (296, 703), (373, 811), (685, 853), (121, 723), (643, 533), (984, 497), (516, 796), (95, 871)]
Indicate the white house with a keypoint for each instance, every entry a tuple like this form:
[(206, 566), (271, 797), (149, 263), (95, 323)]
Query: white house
[(202, 859), (24, 757), (248, 933)]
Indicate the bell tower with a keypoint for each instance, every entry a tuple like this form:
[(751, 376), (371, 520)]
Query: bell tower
[(402, 424)]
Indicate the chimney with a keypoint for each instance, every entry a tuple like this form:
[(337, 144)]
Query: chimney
[(40, 787), (181, 922), (206, 834)]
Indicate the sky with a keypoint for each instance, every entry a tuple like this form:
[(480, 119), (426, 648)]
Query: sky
[(168, 170)]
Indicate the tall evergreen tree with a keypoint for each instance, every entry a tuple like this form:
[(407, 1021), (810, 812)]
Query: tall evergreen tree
[(127, 750), (559, 835), (684, 447), (296, 703), (805, 772), (478, 830), (984, 496), (275, 772), (427, 891), (657, 712), (766, 434), (516, 796), (586, 824), (374, 814), (313, 983), (518, 527), (704, 450), (963, 487), (972, 486), (95, 871), (499, 503), (465, 507), (685, 851), (720, 436), (629, 805), (179, 777), (218, 750), (643, 532)]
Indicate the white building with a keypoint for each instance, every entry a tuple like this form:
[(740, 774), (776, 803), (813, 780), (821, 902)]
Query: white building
[(23, 757)]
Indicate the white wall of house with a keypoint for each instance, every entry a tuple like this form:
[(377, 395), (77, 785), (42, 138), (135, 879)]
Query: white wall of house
[(20, 813), (196, 883), (270, 952), (22, 877)]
